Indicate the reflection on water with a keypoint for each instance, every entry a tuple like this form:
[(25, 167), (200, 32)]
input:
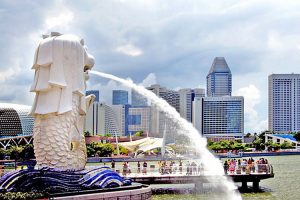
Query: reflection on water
[(285, 185)]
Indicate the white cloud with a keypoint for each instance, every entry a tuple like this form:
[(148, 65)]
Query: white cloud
[(130, 50), (64, 19), (252, 98)]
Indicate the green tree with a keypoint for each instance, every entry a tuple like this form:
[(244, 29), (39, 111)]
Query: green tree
[(123, 150), (102, 150), (3, 153), (248, 135), (286, 145), (90, 150), (27, 152), (139, 133), (87, 133), (297, 136), (258, 143), (15, 152)]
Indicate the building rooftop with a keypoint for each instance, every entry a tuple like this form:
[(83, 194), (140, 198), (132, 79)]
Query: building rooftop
[(219, 65), (285, 136)]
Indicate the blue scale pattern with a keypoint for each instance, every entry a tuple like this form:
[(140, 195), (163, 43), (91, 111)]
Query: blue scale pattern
[(54, 181)]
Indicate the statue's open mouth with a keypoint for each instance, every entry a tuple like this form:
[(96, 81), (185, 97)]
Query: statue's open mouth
[(86, 68)]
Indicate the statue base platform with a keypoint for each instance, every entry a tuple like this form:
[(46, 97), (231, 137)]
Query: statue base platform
[(51, 181)]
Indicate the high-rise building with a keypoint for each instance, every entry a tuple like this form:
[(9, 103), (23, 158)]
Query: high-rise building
[(219, 81), (94, 92), (138, 100), (197, 113), (159, 120), (132, 119), (187, 96), (101, 119), (120, 97), (186, 103), (138, 120), (171, 96), (221, 116), (284, 102)]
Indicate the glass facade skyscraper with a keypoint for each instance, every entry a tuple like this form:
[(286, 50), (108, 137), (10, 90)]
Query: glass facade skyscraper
[(120, 97), (223, 116), (219, 116), (284, 102), (138, 100), (219, 79)]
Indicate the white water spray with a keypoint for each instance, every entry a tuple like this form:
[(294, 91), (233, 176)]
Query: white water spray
[(212, 166)]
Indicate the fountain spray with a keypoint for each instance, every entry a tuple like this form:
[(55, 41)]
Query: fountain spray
[(212, 166)]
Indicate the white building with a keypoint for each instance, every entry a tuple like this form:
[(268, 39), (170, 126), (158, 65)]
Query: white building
[(284, 102), (158, 118), (139, 119), (197, 113), (101, 119), (187, 97)]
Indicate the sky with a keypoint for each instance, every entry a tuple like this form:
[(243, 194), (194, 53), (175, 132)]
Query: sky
[(171, 43)]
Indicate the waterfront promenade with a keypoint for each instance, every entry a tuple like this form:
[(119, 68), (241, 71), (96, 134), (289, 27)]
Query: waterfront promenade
[(184, 176)]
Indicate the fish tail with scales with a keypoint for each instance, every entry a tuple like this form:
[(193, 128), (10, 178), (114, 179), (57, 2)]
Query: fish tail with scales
[(59, 141)]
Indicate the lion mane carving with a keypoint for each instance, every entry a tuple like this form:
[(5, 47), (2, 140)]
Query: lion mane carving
[(61, 67)]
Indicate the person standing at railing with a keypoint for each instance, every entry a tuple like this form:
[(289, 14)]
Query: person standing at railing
[(145, 168), (225, 167), (180, 166), (138, 167), (113, 164), (232, 166)]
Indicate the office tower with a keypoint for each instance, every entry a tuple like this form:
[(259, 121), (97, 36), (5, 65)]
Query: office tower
[(120, 97), (171, 96), (185, 103), (198, 92), (138, 120), (197, 114), (132, 119), (219, 79), (159, 120), (94, 92), (138, 100), (284, 102), (222, 117), (187, 96), (101, 119)]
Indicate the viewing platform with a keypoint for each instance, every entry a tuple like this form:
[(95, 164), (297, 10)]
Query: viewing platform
[(262, 172)]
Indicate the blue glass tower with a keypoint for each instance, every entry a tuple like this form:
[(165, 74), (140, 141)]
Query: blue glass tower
[(219, 79), (120, 97)]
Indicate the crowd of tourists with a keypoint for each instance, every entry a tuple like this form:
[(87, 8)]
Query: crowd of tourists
[(238, 166), (231, 166)]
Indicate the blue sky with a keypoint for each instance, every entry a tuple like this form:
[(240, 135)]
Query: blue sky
[(172, 43)]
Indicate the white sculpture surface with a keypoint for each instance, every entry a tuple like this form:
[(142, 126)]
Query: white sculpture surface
[(61, 67)]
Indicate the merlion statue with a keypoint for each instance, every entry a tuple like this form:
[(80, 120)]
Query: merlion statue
[(61, 67)]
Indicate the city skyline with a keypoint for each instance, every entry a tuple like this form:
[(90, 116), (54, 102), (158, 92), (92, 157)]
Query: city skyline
[(172, 44)]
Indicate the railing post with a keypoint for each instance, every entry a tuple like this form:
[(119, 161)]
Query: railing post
[(256, 185), (244, 185)]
